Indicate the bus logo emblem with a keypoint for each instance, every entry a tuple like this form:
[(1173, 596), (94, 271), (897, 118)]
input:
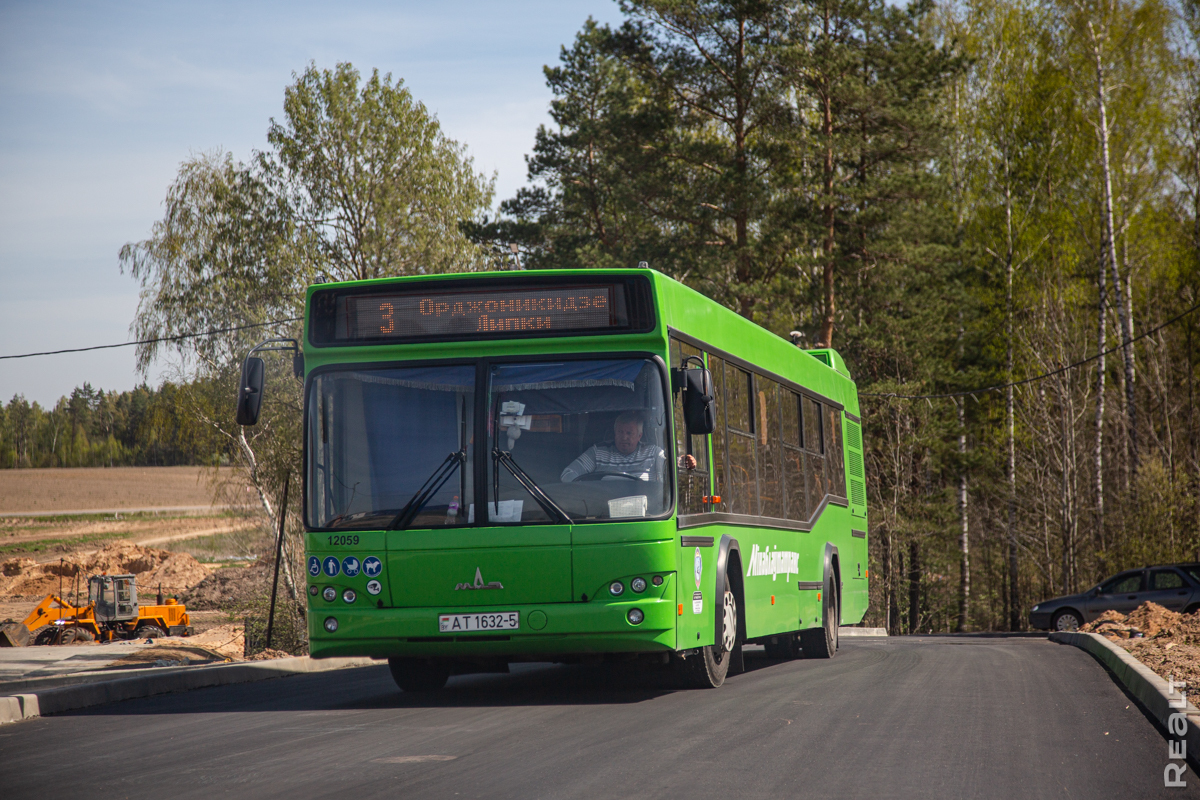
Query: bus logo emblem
[(479, 584)]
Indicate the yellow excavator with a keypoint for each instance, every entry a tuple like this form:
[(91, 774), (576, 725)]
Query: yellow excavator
[(112, 612)]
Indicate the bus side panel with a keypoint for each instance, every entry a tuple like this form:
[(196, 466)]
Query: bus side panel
[(772, 561), (697, 584)]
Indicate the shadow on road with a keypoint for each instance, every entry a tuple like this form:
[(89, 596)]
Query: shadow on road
[(367, 688)]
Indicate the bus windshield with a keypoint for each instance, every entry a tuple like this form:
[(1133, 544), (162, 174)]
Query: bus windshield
[(581, 439), (566, 441), (380, 439)]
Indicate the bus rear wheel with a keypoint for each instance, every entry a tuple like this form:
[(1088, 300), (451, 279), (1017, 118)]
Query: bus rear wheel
[(418, 675), (707, 668), (822, 642), (785, 647)]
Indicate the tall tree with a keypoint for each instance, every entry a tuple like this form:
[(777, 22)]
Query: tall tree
[(359, 183), (372, 184)]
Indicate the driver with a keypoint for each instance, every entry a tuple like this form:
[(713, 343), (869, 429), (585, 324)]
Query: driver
[(625, 455)]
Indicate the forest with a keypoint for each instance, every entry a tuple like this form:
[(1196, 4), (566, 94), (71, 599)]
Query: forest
[(990, 208), (143, 427)]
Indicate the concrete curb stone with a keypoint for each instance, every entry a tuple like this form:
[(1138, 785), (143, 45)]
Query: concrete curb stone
[(846, 630), (17, 707), (1141, 682)]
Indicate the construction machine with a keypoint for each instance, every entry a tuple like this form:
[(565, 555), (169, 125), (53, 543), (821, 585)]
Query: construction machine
[(112, 612)]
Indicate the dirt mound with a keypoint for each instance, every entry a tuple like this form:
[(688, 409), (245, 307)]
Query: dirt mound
[(267, 655), (1148, 620), (177, 572), (1154, 620), (228, 588)]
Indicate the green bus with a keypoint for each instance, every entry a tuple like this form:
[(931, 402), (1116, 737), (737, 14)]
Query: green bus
[(568, 465)]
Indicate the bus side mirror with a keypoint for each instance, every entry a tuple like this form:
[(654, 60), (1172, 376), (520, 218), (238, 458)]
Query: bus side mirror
[(250, 390), (699, 405)]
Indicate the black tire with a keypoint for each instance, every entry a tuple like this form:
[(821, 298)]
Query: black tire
[(149, 631), (46, 636), (785, 647), (419, 675), (73, 635), (707, 668), (1068, 619), (1192, 609), (822, 642)]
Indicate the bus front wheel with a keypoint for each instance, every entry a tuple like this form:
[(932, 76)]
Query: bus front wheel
[(418, 675), (822, 642), (707, 668)]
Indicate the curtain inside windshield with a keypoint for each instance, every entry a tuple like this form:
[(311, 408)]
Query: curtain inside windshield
[(391, 448), (577, 441)]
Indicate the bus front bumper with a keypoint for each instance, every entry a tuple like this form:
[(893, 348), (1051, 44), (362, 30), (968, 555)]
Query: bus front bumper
[(565, 629)]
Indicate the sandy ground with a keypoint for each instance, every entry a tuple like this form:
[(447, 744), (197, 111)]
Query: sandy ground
[(1166, 642), (41, 490)]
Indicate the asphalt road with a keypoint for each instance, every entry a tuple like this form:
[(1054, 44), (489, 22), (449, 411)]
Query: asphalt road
[(916, 717)]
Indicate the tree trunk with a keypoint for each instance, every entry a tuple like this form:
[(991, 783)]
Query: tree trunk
[(1098, 451), (914, 587), (826, 336), (742, 213), (1110, 252), (964, 540), (1014, 610)]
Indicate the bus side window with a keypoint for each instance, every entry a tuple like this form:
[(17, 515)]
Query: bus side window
[(739, 419), (834, 459), (814, 446), (769, 436), (793, 457), (693, 483), (720, 452)]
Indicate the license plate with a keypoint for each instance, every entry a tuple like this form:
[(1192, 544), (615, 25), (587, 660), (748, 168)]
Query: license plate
[(494, 621)]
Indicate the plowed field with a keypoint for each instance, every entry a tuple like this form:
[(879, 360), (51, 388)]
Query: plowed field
[(103, 489)]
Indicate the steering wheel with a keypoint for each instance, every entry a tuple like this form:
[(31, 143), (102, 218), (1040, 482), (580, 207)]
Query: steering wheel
[(599, 476)]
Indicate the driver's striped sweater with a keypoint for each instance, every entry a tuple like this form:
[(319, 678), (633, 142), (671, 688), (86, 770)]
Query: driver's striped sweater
[(645, 463)]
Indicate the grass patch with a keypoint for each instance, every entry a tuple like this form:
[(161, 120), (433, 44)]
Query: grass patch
[(13, 523), (239, 547), (63, 544)]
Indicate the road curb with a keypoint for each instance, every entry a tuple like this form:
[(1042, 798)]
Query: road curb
[(1147, 687), (846, 630), (16, 707)]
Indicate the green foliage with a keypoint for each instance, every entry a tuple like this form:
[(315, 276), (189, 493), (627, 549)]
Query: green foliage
[(373, 186), (696, 137), (94, 428)]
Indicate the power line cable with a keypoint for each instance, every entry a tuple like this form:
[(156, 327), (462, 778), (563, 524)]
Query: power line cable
[(889, 395), (176, 338), (1034, 378)]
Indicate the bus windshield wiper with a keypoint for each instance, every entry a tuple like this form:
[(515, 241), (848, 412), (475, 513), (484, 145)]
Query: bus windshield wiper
[(551, 508), (428, 489)]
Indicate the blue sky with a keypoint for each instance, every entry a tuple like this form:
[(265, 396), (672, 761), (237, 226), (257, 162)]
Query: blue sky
[(100, 102)]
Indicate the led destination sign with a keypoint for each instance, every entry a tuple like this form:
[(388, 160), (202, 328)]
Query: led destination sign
[(480, 311), (409, 316)]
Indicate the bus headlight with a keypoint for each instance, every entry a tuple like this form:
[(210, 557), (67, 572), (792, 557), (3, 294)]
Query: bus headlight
[(349, 596), (616, 588), (331, 624), (330, 594), (638, 584), (635, 616)]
